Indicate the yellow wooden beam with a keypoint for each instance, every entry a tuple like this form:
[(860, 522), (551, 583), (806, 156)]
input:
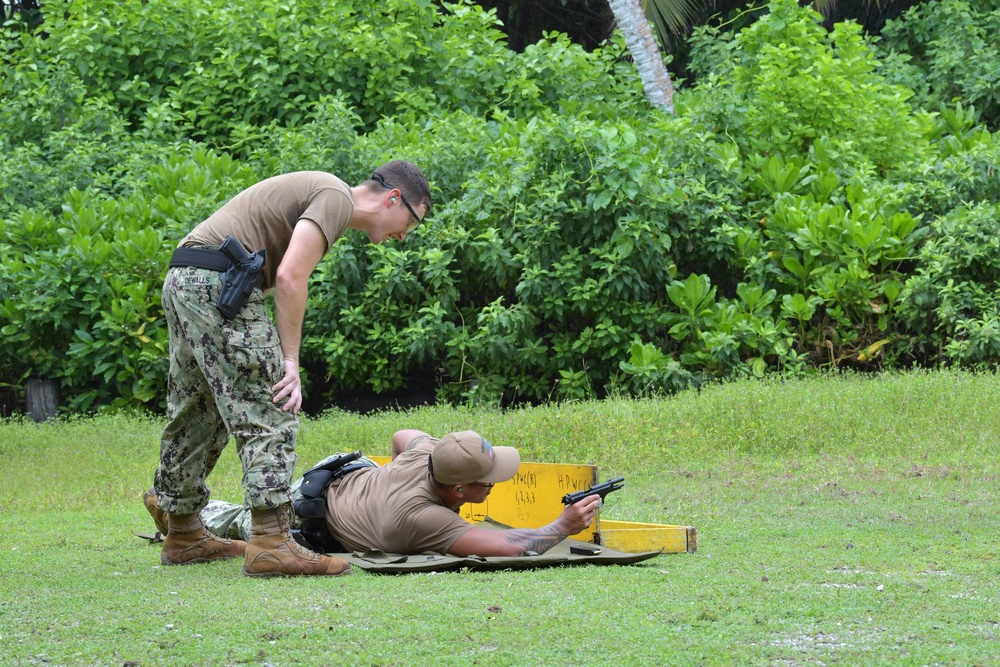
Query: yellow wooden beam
[(636, 537)]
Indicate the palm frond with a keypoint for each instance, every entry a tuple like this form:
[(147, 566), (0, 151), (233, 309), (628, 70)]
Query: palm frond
[(672, 18)]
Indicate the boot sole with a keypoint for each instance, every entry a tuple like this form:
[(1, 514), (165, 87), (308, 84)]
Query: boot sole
[(193, 561), (268, 575)]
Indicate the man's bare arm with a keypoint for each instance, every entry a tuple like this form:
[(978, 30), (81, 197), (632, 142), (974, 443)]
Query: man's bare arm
[(515, 541), (402, 439), (538, 540), (304, 252)]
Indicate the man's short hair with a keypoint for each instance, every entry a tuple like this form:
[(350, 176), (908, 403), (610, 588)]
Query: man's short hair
[(407, 178)]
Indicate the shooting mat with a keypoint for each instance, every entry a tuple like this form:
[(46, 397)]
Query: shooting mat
[(567, 552)]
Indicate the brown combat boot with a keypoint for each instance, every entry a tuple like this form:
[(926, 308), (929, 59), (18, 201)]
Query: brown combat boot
[(272, 552), (188, 542), (159, 516)]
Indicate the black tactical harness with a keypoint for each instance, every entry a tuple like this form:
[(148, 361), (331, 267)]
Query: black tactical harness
[(310, 507)]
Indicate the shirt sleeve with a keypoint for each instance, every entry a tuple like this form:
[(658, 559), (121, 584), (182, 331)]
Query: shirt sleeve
[(331, 209)]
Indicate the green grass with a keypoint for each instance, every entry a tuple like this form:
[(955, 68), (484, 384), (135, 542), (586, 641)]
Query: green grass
[(841, 521)]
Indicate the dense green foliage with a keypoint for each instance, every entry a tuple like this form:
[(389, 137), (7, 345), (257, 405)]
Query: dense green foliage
[(819, 200), (947, 50)]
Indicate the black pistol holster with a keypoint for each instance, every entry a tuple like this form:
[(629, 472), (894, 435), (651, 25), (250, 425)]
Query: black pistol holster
[(245, 273), (310, 506)]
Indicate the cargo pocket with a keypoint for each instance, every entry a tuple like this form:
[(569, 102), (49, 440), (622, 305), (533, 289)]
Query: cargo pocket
[(255, 354)]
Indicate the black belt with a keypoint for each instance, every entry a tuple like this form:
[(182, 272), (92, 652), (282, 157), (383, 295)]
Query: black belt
[(200, 258)]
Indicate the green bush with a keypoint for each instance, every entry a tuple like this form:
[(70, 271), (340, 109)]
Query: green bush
[(785, 83), (947, 50), (80, 291), (820, 141), (951, 303), (965, 169), (54, 138), (800, 211), (216, 72), (533, 283)]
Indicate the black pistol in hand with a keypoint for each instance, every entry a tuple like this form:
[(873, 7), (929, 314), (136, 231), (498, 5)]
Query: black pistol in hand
[(600, 489)]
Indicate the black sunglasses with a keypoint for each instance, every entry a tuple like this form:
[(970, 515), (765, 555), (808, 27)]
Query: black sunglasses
[(380, 179)]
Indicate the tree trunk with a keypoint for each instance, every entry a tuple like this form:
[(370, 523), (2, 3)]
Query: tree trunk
[(645, 53), (43, 399)]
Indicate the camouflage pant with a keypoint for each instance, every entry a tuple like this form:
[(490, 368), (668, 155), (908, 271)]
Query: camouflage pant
[(221, 374), (233, 521)]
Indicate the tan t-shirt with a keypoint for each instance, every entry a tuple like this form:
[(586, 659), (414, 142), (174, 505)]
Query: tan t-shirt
[(262, 216), (393, 508)]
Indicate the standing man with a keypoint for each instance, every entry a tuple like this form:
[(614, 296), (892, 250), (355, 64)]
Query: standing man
[(237, 374)]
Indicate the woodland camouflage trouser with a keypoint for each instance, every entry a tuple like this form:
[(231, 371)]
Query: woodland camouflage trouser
[(221, 374), (233, 521)]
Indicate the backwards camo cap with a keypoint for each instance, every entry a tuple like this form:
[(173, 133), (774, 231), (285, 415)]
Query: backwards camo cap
[(466, 457)]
